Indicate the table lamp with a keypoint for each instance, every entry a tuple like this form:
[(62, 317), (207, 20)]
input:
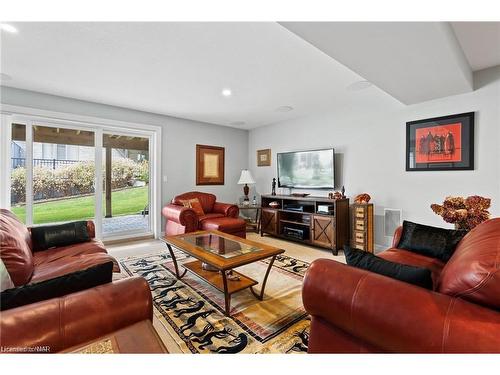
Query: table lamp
[(245, 179)]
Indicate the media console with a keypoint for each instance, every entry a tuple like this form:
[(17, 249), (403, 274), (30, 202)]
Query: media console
[(317, 221)]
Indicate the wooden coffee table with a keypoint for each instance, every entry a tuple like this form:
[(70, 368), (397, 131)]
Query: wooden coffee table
[(223, 252)]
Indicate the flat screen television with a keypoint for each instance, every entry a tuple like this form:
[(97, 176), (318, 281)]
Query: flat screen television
[(313, 169)]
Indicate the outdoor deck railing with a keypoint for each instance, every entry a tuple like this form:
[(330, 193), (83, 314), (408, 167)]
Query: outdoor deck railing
[(49, 163)]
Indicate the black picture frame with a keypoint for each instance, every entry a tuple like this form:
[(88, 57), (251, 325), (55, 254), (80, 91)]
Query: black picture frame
[(438, 148)]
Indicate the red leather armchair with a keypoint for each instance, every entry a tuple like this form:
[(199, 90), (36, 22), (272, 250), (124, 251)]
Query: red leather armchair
[(121, 310), (356, 311), (218, 216)]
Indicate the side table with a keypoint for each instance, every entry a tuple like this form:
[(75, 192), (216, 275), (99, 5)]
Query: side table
[(254, 225)]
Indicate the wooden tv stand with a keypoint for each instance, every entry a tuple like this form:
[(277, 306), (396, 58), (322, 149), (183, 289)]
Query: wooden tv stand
[(304, 224)]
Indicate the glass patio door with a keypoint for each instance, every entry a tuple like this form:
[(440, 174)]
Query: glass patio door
[(66, 171), (52, 173), (63, 174), (126, 188)]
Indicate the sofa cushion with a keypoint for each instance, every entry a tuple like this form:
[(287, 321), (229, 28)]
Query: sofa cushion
[(57, 287), (51, 255), (430, 241), (209, 216), (413, 259), (47, 236), (224, 224), (15, 248), (72, 264), (473, 272), (410, 274), (207, 200)]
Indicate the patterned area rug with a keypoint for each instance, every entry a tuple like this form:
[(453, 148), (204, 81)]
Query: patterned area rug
[(192, 311)]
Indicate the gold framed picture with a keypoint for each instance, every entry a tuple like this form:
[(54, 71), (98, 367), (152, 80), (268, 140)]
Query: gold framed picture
[(264, 157), (209, 165)]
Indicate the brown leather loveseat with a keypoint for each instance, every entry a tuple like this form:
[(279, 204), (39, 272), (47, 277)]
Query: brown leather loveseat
[(115, 317), (356, 311), (26, 266), (217, 216)]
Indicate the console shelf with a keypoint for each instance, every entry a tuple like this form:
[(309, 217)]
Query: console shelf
[(295, 222), (298, 219)]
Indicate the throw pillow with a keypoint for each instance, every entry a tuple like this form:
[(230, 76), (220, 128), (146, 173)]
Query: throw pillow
[(57, 287), (195, 205), (47, 236), (410, 274), (6, 281), (430, 241)]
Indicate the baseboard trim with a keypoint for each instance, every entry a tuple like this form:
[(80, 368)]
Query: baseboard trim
[(123, 240)]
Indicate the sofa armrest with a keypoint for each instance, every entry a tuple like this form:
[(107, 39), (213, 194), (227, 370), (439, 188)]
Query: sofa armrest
[(397, 236), (229, 210), (76, 318), (182, 215), (395, 316), (91, 228)]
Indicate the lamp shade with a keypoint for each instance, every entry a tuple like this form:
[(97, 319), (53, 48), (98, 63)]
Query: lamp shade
[(246, 177)]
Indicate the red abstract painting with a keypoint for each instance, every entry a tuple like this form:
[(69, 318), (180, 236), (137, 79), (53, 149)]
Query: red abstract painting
[(440, 143)]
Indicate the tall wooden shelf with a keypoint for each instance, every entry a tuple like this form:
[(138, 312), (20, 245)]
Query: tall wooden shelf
[(324, 230), (362, 226)]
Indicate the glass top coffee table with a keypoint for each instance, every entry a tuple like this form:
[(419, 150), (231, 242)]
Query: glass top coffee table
[(221, 252)]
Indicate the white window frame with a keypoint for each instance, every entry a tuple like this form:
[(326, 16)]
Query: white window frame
[(18, 114)]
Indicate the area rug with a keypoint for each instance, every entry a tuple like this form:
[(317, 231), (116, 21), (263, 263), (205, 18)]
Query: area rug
[(192, 311)]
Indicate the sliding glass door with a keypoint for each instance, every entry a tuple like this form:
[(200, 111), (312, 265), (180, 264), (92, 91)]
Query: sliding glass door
[(68, 172), (126, 171), (63, 174)]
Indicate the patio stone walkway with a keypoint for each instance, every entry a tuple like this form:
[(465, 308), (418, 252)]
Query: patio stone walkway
[(125, 223)]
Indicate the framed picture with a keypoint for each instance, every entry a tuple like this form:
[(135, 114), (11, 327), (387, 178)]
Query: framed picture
[(209, 165), (264, 157), (441, 143)]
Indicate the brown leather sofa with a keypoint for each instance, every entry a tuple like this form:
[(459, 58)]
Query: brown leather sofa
[(218, 216), (356, 311), (26, 266), (118, 314)]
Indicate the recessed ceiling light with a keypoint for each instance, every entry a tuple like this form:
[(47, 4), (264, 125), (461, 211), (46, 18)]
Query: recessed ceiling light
[(237, 123), (5, 77), (359, 85), (284, 108), (227, 92), (9, 28)]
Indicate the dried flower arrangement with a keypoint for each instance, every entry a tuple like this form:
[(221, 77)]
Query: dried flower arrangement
[(465, 213)]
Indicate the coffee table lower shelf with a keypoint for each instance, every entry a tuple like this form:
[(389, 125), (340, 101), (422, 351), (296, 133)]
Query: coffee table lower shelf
[(215, 278), (191, 244)]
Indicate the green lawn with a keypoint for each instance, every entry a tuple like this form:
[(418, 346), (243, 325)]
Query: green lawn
[(123, 202)]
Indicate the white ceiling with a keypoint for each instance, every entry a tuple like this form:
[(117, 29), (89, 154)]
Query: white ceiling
[(480, 42), (412, 61), (180, 69)]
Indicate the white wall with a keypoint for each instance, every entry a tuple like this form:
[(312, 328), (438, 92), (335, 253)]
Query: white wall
[(371, 153), (179, 140)]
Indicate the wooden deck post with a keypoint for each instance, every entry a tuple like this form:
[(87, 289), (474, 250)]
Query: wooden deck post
[(108, 182)]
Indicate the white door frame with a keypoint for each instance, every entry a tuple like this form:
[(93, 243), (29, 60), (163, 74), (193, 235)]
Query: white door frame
[(26, 115), (5, 153)]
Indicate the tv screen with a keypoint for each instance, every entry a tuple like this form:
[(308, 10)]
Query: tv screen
[(307, 169)]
